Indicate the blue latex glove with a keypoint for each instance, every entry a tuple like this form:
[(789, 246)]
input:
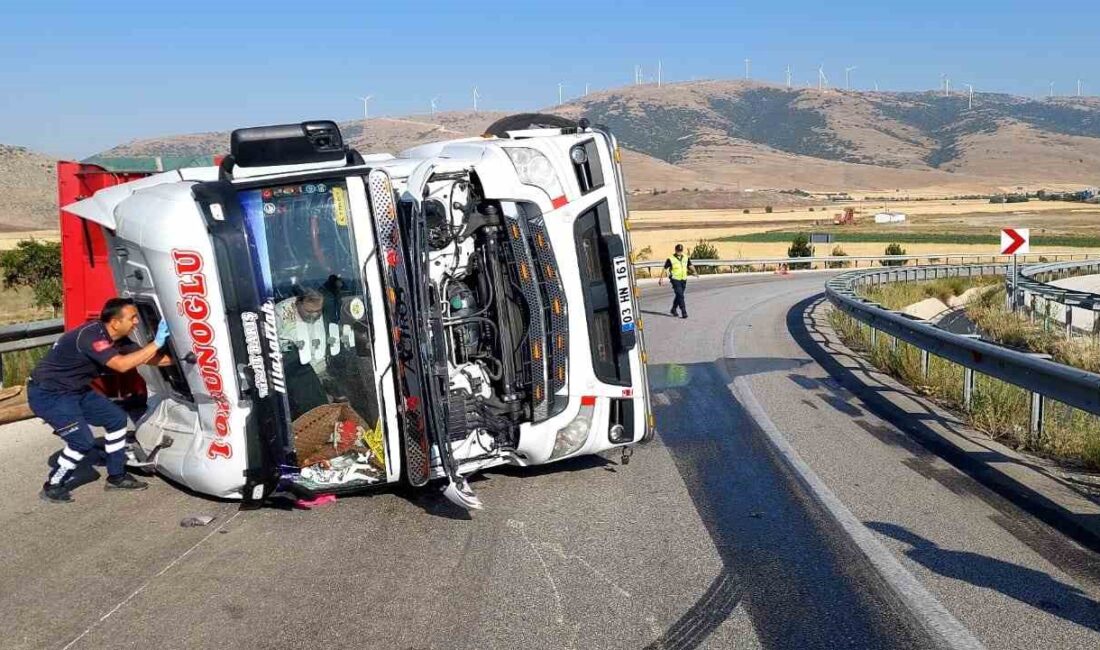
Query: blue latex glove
[(162, 333)]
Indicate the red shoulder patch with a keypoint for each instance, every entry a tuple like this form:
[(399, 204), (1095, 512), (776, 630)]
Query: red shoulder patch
[(100, 345)]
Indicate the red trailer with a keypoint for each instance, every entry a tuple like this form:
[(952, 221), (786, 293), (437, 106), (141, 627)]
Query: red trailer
[(86, 275)]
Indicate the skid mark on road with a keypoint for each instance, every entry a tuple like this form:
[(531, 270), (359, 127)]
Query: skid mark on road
[(798, 579), (521, 528)]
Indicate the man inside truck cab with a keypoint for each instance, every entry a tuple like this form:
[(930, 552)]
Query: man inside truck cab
[(59, 391), (304, 342)]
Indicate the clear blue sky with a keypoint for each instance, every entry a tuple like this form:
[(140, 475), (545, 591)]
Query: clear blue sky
[(76, 79)]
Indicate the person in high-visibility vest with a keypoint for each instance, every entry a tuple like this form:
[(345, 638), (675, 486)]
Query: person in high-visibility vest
[(678, 266)]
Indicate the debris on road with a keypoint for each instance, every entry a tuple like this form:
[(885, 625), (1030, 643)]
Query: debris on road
[(196, 521)]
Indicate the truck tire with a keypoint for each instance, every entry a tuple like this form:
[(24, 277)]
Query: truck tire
[(525, 121)]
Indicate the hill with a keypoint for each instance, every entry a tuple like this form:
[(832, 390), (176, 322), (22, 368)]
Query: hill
[(706, 143), (28, 185), (853, 140)]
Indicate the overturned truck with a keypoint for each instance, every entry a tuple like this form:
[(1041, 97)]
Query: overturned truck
[(342, 321)]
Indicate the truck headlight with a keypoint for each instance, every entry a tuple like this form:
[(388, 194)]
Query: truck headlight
[(533, 168), (578, 154), (573, 436)]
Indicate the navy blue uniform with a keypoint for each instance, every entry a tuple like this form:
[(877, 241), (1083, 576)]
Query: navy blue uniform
[(60, 393)]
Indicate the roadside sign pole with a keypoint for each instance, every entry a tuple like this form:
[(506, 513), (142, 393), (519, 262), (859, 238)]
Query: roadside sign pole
[(1014, 276), (1015, 242)]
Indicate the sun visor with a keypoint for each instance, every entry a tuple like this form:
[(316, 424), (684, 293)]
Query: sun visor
[(100, 207)]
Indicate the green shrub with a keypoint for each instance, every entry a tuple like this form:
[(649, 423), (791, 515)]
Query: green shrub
[(893, 250), (704, 250), (800, 247), (36, 265), (838, 252)]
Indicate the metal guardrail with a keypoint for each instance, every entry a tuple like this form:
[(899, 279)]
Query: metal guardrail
[(1034, 293), (854, 261), (24, 336), (1043, 378)]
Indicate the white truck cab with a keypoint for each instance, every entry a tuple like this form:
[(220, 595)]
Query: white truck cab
[(340, 322)]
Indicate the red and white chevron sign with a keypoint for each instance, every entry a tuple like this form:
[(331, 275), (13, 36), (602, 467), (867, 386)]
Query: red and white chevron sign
[(1015, 241)]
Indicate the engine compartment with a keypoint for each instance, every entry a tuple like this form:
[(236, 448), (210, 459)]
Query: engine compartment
[(483, 315)]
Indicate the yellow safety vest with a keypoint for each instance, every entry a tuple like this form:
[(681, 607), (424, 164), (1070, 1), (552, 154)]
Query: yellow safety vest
[(679, 270)]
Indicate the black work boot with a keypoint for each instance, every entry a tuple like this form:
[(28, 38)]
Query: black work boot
[(124, 482), (55, 493)]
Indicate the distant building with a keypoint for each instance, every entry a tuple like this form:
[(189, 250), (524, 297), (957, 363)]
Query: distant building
[(890, 217)]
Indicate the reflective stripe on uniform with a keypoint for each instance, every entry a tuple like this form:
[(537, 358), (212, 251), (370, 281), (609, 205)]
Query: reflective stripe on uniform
[(114, 447), (116, 435)]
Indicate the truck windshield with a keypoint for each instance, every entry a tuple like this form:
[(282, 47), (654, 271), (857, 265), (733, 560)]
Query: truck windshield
[(304, 252)]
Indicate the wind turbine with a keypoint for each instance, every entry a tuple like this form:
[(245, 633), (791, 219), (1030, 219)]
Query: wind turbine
[(1051, 93), (946, 84), (658, 73), (477, 96), (822, 80), (876, 86), (747, 63), (637, 75), (434, 99), (561, 86), (586, 89), (788, 77), (847, 72), (970, 98), (1078, 87), (366, 106)]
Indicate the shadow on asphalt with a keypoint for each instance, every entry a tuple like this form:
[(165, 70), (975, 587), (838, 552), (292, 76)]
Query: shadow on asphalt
[(1010, 498), (745, 366), (783, 559), (1031, 587)]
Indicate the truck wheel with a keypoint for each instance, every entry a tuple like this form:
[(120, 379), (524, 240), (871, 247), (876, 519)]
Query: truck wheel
[(525, 121)]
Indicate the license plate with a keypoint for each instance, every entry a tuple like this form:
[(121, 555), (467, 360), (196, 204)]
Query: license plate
[(622, 291)]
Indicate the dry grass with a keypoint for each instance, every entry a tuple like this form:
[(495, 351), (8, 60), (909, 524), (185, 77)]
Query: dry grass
[(17, 306), (899, 295), (998, 409), (1015, 330), (942, 218), (18, 365)]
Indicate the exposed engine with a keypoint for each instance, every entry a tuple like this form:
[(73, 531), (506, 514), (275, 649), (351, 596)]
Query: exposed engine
[(482, 315)]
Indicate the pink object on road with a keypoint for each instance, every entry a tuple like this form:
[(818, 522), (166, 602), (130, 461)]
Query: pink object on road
[(322, 500)]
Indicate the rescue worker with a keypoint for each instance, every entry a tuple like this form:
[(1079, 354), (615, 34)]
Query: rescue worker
[(59, 391), (678, 266)]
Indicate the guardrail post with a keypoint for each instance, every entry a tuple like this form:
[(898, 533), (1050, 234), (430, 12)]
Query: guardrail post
[(1, 370), (925, 362), (968, 388), (1035, 427), (1069, 320)]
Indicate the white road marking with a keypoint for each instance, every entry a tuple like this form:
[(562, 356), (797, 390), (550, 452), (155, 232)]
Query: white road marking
[(145, 584), (930, 613)]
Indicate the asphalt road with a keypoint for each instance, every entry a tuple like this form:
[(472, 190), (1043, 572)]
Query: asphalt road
[(704, 540)]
